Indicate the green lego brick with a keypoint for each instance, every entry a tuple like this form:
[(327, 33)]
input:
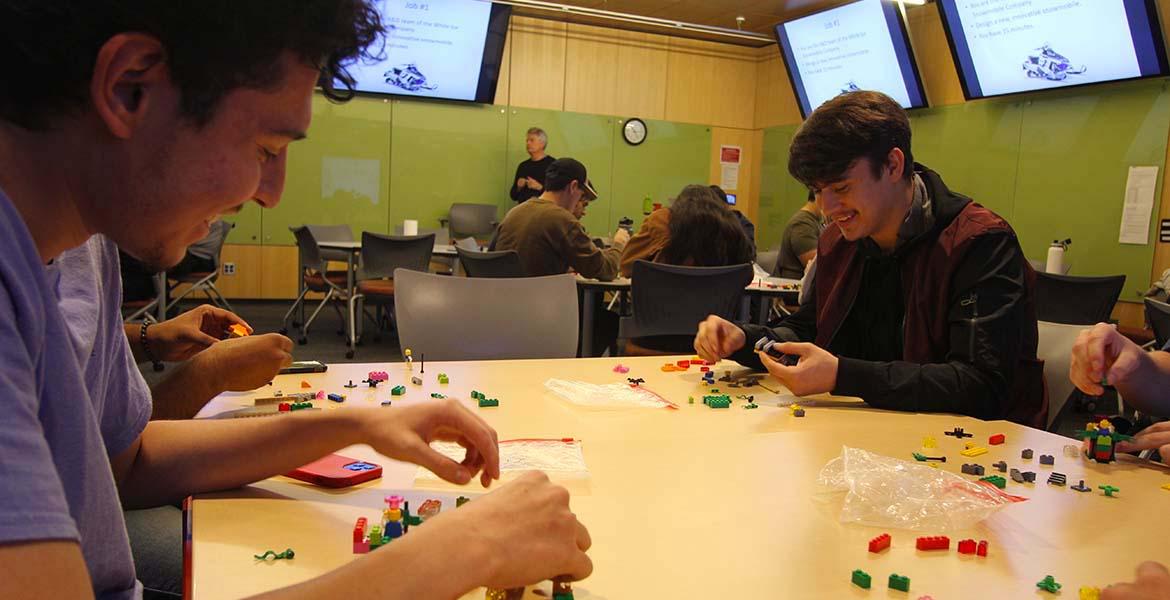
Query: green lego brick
[(437, 395), (861, 579), (1048, 584), (900, 583), (477, 395), (398, 390), (461, 500), (995, 480), (443, 378), (486, 402), (723, 401)]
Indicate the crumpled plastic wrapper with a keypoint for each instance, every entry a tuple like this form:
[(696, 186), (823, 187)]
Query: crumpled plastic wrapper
[(607, 396), (559, 459), (888, 492)]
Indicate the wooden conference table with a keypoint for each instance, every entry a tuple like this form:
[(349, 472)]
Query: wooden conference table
[(755, 295), (703, 503)]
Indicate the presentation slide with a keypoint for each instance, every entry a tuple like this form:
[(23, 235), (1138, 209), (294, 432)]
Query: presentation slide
[(859, 46), (434, 49), (1008, 46)]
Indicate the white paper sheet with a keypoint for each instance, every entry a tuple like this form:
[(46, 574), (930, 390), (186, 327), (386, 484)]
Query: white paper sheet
[(1139, 205)]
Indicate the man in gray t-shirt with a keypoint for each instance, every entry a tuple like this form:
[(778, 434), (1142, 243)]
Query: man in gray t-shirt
[(799, 244)]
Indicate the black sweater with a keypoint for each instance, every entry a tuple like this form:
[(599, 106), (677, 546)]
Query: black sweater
[(530, 168)]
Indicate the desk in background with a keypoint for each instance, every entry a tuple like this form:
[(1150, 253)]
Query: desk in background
[(702, 503)]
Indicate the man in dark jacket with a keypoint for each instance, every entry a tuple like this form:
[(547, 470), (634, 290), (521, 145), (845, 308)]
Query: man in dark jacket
[(922, 299)]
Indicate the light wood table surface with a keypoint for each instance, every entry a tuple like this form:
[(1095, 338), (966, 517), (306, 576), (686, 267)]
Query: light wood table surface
[(699, 503)]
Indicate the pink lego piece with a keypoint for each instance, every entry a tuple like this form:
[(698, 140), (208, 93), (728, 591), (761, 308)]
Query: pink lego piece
[(320, 394), (362, 547), (378, 376), (621, 369), (393, 502)]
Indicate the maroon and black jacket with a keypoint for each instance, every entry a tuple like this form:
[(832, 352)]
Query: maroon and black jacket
[(945, 323)]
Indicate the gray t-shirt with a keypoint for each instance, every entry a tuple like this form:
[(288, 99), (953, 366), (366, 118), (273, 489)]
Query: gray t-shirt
[(54, 436), (800, 236)]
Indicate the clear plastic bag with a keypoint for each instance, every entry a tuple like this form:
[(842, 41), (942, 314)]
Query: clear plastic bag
[(559, 459), (888, 492), (610, 395)]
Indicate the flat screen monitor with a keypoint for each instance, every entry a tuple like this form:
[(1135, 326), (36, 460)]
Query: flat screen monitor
[(862, 45), (446, 49), (1012, 47)]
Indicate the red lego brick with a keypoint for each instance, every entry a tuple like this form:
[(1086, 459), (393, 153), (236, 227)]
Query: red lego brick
[(704, 369), (359, 530), (684, 364), (982, 549), (935, 542), (283, 407), (996, 439), (879, 543), (966, 546)]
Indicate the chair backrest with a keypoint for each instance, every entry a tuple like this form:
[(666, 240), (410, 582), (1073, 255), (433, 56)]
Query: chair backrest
[(1055, 349), (212, 244), (308, 249), (1076, 300), (472, 220), (1158, 316), (768, 260), (673, 299), (383, 254), (505, 263), (465, 318), (442, 236), (331, 233)]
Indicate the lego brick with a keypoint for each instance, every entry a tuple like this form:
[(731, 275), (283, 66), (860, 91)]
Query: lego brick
[(443, 379), (1081, 487), (350, 385), (1089, 593), (966, 546), (936, 542), (1072, 451), (621, 369), (879, 543), (996, 439), (981, 549), (361, 547), (861, 579), (336, 397), (236, 330), (972, 469), (359, 529), (705, 369), (1047, 459), (974, 451), (1057, 479), (721, 401), (1026, 454), (995, 480), (958, 433), (416, 380), (684, 364), (1017, 476), (488, 402), (1000, 466), (929, 442), (798, 412), (1109, 490), (398, 390), (923, 458), (1048, 584), (900, 583), (475, 395), (283, 407), (305, 385)]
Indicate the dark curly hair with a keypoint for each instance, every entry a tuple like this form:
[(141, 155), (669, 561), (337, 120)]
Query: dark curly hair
[(48, 48), (849, 127), (704, 232)]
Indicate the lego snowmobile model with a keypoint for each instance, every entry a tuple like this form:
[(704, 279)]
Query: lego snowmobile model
[(1048, 64), (850, 87), (408, 77)]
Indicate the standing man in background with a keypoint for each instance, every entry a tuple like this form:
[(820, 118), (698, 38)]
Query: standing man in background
[(529, 179)]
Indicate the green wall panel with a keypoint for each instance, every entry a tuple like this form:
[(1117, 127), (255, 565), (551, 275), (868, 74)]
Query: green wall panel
[(1075, 152), (445, 153), (587, 138), (673, 156), (247, 229), (780, 194), (974, 146), (340, 174)]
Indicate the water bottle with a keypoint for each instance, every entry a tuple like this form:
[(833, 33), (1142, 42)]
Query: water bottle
[(1055, 262), (647, 205)]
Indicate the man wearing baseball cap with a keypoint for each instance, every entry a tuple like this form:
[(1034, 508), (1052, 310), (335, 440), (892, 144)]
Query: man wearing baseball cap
[(546, 231)]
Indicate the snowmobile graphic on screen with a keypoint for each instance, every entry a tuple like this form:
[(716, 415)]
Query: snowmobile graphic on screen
[(408, 77), (1046, 63)]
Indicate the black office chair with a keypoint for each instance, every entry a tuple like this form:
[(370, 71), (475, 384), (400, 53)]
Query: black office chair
[(1158, 316), (669, 301), (505, 263), (1076, 300), (381, 255), (471, 220), (315, 277)]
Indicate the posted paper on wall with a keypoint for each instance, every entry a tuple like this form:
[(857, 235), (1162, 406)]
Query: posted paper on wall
[(729, 157), (1139, 205)]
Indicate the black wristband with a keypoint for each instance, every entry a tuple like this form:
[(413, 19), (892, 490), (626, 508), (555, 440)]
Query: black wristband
[(158, 366)]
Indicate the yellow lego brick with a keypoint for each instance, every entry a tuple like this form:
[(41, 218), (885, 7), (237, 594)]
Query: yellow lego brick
[(974, 451), (929, 442), (1089, 593), (1166, 487)]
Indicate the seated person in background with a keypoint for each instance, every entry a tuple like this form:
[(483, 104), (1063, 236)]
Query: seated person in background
[(529, 179), (799, 244), (749, 229), (547, 234), (922, 299), (160, 122), (697, 229)]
